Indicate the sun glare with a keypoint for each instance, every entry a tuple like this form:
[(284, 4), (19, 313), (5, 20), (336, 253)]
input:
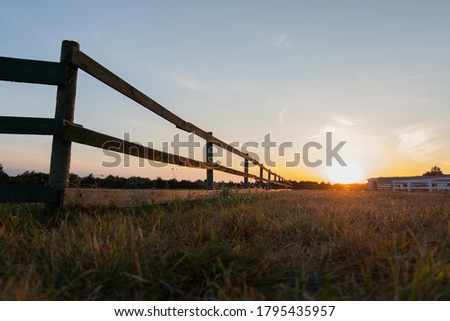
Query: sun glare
[(353, 173)]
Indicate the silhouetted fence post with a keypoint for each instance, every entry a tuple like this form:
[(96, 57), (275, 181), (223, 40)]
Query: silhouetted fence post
[(268, 177), (65, 109), (261, 173), (246, 172), (209, 159)]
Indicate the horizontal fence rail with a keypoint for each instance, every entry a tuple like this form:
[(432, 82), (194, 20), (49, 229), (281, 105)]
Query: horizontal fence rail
[(65, 131), (29, 125), (88, 137), (32, 71), (28, 193)]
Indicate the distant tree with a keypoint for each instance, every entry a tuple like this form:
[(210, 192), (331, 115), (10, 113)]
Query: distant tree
[(185, 184), (309, 185), (3, 176), (173, 183), (138, 182), (111, 181), (433, 172), (74, 180), (160, 183), (89, 181), (30, 178)]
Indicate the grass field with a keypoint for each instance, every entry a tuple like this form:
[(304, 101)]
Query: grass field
[(299, 245)]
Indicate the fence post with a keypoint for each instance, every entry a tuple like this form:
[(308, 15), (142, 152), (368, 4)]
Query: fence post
[(246, 172), (65, 109), (268, 182), (261, 173), (209, 159)]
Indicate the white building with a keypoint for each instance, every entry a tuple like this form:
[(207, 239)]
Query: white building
[(410, 183)]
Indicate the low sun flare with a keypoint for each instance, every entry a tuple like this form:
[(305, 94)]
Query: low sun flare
[(352, 173)]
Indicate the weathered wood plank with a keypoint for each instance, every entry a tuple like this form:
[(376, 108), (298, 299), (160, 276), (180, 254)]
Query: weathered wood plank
[(246, 172), (32, 71), (261, 178), (89, 137), (27, 194), (209, 159), (64, 110), (29, 125), (96, 70)]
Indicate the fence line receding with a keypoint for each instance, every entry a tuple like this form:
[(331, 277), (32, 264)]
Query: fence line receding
[(65, 131)]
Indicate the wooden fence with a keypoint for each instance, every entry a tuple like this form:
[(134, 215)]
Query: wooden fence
[(63, 74)]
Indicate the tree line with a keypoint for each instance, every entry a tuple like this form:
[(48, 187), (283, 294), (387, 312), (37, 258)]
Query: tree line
[(110, 181), (113, 182), (135, 182)]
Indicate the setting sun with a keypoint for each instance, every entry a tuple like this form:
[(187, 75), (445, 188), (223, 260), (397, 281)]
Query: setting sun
[(353, 173)]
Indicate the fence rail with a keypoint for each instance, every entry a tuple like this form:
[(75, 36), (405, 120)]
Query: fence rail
[(65, 131), (32, 71)]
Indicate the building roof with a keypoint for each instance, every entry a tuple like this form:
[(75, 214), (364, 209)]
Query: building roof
[(405, 178)]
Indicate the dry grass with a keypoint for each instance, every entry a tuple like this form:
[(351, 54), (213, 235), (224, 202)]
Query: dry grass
[(289, 246)]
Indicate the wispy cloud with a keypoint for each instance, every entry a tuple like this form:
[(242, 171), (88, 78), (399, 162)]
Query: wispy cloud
[(282, 40), (419, 140), (336, 124), (343, 121), (281, 114), (189, 82), (411, 142), (410, 77), (321, 133)]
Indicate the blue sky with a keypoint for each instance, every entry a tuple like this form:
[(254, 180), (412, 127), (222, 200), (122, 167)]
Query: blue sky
[(374, 73)]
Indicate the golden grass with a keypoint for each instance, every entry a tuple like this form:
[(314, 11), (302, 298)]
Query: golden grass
[(299, 245)]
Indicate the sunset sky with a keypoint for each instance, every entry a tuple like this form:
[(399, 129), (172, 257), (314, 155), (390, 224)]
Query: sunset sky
[(375, 74)]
